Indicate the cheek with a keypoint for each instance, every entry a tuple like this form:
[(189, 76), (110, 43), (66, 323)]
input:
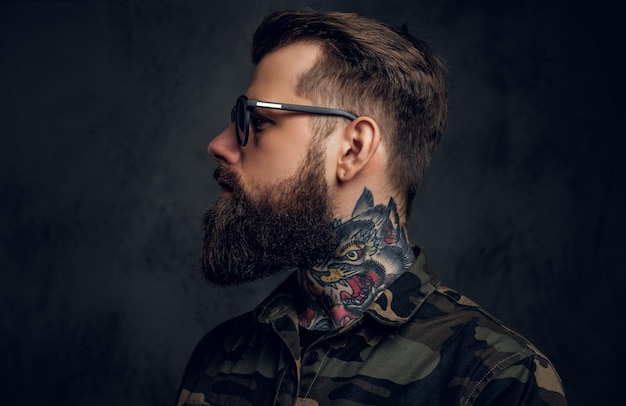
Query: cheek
[(280, 153), (270, 170), (265, 171), (271, 161)]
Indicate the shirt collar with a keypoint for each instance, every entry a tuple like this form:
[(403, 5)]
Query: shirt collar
[(395, 305), (399, 302)]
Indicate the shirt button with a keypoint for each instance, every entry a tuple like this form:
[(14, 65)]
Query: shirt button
[(312, 357)]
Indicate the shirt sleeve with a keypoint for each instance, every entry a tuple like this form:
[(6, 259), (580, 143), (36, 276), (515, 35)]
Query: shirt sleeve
[(532, 381)]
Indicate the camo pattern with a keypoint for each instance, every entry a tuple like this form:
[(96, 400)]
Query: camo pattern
[(419, 343)]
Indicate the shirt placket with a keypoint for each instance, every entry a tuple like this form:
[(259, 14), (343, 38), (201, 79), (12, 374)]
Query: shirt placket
[(289, 366)]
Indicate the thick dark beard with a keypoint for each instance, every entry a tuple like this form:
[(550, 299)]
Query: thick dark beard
[(284, 227)]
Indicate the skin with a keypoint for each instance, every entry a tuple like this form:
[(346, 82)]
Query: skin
[(373, 251), (338, 289)]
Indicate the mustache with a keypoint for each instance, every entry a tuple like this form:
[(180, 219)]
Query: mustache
[(227, 179)]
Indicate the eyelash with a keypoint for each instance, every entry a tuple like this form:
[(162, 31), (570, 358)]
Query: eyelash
[(257, 122)]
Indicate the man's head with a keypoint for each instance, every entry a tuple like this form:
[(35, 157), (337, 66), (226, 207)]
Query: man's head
[(276, 189), (369, 69)]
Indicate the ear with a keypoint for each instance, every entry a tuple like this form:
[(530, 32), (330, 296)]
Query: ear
[(359, 144)]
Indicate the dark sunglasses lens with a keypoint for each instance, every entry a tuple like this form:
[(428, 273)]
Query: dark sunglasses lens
[(234, 118), (241, 120)]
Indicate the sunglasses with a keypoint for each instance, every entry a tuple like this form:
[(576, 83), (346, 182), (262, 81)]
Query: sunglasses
[(240, 114)]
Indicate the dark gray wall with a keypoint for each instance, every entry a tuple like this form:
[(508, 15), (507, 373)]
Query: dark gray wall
[(105, 111)]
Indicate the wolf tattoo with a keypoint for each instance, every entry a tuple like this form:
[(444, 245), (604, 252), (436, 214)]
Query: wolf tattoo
[(373, 250)]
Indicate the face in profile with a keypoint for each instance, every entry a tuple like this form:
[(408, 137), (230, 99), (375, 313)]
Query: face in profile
[(274, 212)]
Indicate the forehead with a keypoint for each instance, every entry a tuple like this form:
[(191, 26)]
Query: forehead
[(276, 75)]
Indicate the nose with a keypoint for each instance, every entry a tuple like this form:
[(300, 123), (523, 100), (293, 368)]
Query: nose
[(224, 148)]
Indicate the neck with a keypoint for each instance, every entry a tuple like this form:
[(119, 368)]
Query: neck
[(373, 251)]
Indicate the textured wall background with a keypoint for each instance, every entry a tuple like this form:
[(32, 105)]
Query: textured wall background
[(105, 111)]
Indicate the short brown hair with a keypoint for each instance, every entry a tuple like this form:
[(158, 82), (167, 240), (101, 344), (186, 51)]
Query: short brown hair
[(369, 68)]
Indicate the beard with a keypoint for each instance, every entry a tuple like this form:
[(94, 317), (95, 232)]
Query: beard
[(286, 226)]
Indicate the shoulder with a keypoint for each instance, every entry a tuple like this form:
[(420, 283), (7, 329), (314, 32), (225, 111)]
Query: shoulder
[(487, 359), (221, 346), (461, 319), (219, 342), (531, 381)]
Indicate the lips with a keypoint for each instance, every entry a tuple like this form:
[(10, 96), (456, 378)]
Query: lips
[(225, 186), (224, 181)]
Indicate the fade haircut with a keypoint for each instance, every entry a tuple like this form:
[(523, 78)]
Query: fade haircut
[(370, 69)]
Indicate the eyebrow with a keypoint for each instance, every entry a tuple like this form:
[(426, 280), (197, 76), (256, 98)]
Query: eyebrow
[(272, 113)]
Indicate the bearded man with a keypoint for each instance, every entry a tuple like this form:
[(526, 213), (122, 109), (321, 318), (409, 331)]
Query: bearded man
[(318, 171)]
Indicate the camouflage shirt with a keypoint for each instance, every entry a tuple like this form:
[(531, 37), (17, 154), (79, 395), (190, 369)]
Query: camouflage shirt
[(419, 343)]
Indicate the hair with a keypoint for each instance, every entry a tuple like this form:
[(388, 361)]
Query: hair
[(368, 68)]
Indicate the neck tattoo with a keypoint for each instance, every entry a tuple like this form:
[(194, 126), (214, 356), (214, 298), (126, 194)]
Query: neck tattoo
[(373, 251)]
